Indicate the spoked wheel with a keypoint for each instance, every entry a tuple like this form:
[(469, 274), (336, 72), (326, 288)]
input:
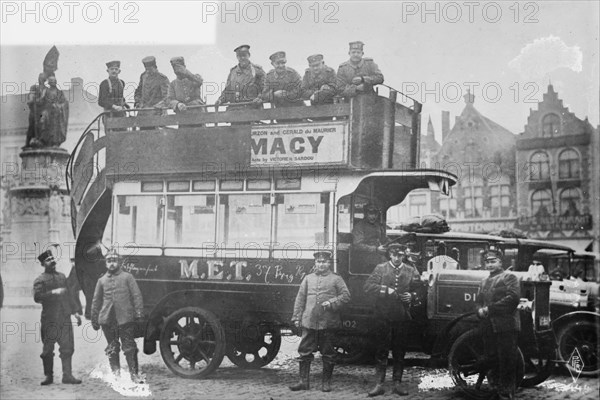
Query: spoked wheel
[(470, 368), (192, 342), (583, 337), (254, 346), (538, 368), (351, 350)]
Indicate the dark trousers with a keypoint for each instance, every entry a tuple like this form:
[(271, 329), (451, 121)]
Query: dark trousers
[(113, 332), (392, 335), (502, 349), (316, 339), (59, 331)]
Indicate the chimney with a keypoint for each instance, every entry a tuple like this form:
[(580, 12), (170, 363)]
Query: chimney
[(445, 124)]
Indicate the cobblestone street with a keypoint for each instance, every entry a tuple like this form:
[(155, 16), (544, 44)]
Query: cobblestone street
[(21, 373)]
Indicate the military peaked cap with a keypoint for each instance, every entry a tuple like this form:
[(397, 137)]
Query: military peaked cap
[(356, 45), (277, 55), (149, 61), (114, 63), (178, 61), (324, 254), (242, 49), (371, 207), (492, 253), (315, 58), (45, 255)]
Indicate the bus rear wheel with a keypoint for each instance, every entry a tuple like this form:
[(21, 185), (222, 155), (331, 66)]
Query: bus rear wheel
[(254, 347), (580, 336), (192, 342)]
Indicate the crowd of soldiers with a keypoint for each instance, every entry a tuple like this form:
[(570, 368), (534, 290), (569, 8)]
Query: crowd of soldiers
[(247, 84)]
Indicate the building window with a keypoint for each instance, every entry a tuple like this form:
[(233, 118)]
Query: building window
[(418, 204), (500, 197), (473, 195), (448, 207), (540, 166), (568, 164), (551, 125), (570, 202), (541, 202)]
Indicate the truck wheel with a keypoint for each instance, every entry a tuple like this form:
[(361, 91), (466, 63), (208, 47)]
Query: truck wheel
[(469, 367), (583, 336), (256, 349), (351, 350), (192, 342)]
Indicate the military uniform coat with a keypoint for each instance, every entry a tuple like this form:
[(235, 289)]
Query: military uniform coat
[(289, 81), (186, 91), (366, 69), (111, 94), (322, 84), (243, 84), (152, 90), (118, 291), (403, 278), (55, 307), (500, 293), (314, 290)]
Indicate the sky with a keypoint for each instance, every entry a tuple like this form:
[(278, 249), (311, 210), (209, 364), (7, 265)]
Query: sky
[(506, 52)]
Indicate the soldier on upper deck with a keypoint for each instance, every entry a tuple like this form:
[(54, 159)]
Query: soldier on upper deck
[(282, 84), (110, 96), (319, 82), (153, 87), (358, 75), (245, 82), (184, 91)]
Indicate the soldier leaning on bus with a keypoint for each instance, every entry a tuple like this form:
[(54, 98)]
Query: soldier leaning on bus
[(282, 84), (316, 310), (358, 75), (116, 306), (498, 299), (51, 291), (392, 284), (319, 82), (245, 82), (110, 94), (153, 88), (185, 90)]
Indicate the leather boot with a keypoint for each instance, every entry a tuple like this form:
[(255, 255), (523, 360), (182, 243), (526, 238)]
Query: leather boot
[(399, 387), (304, 383), (380, 378), (67, 374), (327, 373), (132, 363), (48, 371), (115, 364)]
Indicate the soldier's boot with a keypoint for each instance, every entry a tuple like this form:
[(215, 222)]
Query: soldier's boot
[(48, 370), (304, 383), (115, 364), (327, 373), (400, 388), (132, 363), (67, 374), (378, 390)]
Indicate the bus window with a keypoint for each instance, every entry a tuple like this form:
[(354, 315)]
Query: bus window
[(245, 219), (190, 220), (474, 257), (139, 220), (302, 220)]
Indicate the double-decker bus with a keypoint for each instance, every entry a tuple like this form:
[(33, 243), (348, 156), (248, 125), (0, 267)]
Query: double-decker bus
[(217, 212)]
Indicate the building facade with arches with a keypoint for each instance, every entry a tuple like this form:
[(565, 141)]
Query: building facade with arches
[(557, 176)]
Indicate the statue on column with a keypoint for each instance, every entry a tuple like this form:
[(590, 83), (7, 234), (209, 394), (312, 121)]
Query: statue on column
[(49, 109)]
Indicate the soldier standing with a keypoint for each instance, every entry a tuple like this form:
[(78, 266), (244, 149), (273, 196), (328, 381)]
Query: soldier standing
[(367, 235), (316, 310), (245, 82), (51, 291), (116, 306), (358, 75), (282, 84), (498, 298), (110, 95), (184, 90), (319, 82), (153, 88), (392, 284)]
